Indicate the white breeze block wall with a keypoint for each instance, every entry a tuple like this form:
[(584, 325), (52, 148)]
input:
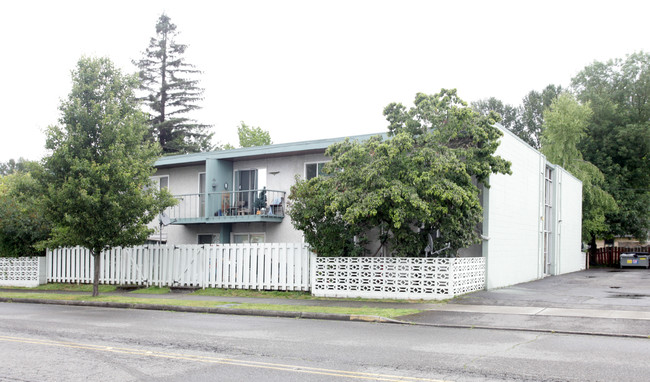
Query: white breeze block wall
[(512, 216), (22, 271), (569, 222)]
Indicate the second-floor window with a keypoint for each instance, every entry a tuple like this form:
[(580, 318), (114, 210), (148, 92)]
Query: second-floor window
[(313, 170), (161, 182)]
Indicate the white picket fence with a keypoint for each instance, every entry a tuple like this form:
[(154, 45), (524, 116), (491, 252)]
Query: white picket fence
[(22, 271), (397, 277), (271, 266)]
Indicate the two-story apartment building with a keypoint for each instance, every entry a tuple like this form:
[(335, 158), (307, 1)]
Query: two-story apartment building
[(237, 196), (531, 225)]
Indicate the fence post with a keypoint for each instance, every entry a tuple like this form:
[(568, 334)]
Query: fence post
[(312, 271)]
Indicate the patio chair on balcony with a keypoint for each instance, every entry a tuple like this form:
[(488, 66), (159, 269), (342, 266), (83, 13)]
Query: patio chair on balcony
[(277, 206), (242, 208)]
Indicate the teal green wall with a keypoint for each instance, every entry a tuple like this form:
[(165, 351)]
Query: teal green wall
[(224, 233), (217, 172)]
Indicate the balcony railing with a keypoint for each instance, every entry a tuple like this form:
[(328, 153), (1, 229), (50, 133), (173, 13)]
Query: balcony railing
[(216, 206)]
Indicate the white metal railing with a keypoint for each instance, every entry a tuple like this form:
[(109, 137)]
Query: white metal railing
[(22, 271), (397, 277), (234, 203), (270, 266)]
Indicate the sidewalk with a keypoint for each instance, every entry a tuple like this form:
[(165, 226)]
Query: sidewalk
[(586, 302)]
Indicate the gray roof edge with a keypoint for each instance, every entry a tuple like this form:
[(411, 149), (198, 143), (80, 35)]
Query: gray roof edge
[(292, 147)]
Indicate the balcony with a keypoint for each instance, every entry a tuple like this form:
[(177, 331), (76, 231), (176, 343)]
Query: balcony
[(229, 207)]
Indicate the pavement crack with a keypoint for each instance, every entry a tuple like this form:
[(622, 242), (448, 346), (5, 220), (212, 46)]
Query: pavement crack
[(523, 343)]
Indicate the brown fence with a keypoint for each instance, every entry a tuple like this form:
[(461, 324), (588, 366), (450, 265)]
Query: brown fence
[(611, 255)]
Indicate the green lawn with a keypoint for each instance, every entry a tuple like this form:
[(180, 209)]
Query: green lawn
[(71, 287), (362, 311)]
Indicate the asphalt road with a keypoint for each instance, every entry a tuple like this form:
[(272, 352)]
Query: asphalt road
[(59, 343)]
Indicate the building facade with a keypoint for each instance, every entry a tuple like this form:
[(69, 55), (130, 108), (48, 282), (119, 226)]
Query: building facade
[(531, 226)]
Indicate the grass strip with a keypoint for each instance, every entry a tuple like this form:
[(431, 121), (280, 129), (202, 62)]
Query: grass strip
[(365, 311), (383, 312), (69, 287), (295, 295), (152, 290)]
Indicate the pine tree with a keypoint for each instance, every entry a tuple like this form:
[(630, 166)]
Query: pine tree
[(172, 92)]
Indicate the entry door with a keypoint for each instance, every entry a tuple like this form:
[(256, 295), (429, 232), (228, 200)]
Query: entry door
[(246, 184), (202, 194)]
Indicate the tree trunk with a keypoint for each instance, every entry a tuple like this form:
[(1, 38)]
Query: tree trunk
[(96, 273), (592, 249)]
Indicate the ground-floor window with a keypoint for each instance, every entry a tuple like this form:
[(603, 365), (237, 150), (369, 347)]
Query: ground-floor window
[(239, 238), (208, 238)]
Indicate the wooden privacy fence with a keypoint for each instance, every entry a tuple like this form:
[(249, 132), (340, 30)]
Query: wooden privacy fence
[(272, 266), (611, 255)]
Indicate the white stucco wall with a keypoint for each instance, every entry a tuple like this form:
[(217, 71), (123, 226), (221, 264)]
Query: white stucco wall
[(287, 168), (182, 180), (569, 222), (512, 216), (513, 224)]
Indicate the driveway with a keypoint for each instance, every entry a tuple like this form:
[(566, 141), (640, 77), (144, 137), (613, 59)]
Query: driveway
[(603, 301), (600, 288)]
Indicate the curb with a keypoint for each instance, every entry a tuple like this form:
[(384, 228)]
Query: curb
[(198, 309), (303, 315)]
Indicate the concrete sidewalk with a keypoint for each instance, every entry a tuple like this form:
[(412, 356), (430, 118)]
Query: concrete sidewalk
[(597, 301), (603, 302)]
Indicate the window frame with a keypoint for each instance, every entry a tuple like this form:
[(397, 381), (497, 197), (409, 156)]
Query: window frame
[(248, 234), (215, 237), (317, 163), (156, 179)]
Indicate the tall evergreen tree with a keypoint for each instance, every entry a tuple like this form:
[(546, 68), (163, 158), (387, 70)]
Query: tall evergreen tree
[(172, 92)]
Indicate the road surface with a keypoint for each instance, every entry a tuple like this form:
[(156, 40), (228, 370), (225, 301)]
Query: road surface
[(59, 343)]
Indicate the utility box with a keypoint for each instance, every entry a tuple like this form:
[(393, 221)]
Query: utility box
[(635, 259)]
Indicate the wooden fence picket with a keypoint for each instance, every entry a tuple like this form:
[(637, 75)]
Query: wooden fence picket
[(273, 266)]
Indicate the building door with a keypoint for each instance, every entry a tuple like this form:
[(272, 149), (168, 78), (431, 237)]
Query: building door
[(246, 186)]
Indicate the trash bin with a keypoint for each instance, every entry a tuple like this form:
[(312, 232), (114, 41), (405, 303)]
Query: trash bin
[(635, 259)]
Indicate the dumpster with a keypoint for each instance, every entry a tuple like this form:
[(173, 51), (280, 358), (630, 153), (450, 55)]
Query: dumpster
[(635, 259)]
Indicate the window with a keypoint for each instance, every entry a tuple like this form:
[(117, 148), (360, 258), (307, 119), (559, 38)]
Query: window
[(161, 182), (208, 239), (239, 238), (313, 170)]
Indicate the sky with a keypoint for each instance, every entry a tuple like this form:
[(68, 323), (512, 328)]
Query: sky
[(308, 69)]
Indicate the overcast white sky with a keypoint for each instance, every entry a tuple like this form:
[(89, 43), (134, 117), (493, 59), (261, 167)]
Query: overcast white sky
[(309, 69)]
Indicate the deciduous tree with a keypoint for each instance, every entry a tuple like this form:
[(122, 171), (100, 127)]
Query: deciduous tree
[(565, 125), (252, 136), (97, 173), (22, 222), (618, 136), (424, 178)]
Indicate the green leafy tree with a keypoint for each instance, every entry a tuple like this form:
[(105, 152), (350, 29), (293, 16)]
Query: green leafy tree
[(618, 136), (510, 115), (423, 179), (13, 166), (252, 136), (172, 92), (526, 120), (532, 113), (22, 222), (565, 125), (98, 173)]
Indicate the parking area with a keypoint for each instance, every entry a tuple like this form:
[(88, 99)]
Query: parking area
[(600, 288)]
